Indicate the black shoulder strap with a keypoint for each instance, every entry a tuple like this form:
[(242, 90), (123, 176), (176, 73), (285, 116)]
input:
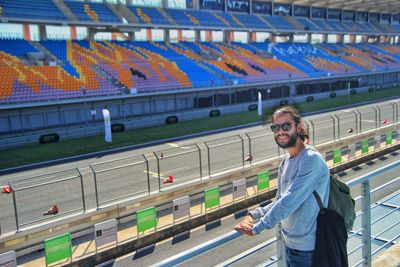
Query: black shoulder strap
[(321, 207)]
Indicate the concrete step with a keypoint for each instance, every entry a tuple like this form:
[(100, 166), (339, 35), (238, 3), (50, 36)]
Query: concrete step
[(65, 10)]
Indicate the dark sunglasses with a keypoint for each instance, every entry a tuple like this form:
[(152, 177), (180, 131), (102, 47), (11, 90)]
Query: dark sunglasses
[(286, 126)]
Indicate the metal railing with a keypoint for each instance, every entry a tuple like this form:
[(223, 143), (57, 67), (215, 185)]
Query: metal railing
[(124, 179), (364, 230)]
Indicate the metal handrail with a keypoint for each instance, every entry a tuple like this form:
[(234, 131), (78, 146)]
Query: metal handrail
[(365, 214)]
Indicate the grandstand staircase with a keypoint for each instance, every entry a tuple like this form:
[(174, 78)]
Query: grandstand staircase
[(294, 22), (65, 10), (168, 17), (208, 69), (265, 21), (47, 53), (109, 78), (113, 9), (261, 53), (126, 13)]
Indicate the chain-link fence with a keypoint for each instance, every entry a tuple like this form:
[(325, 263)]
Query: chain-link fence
[(225, 154), (178, 165), (121, 179), (47, 196)]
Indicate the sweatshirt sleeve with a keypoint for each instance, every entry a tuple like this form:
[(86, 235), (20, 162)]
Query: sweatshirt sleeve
[(301, 187)]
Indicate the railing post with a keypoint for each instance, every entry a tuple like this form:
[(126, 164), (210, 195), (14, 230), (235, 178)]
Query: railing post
[(366, 222), (377, 117), (200, 162), (338, 125), (313, 132), (280, 246), (334, 127), (208, 159), (358, 123), (83, 191), (158, 171), (241, 139), (15, 206), (249, 139), (148, 174), (95, 185)]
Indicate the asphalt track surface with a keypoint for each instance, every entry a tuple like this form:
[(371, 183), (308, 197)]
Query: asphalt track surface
[(214, 153), (173, 246)]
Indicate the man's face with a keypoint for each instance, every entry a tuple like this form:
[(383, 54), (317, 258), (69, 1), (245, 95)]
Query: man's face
[(285, 139)]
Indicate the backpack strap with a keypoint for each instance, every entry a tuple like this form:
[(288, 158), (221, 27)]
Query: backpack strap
[(321, 207)]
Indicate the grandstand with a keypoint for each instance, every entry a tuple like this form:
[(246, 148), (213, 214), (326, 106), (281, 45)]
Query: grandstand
[(288, 46)]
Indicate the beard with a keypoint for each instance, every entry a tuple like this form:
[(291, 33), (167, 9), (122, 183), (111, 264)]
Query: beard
[(290, 143)]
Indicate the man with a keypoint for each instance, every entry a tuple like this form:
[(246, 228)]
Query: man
[(301, 171)]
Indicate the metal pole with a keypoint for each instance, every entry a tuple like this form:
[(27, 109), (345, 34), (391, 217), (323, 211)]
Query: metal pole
[(208, 160), (280, 247), (201, 164), (366, 222), (338, 125), (313, 132), (241, 139), (15, 207), (158, 172), (377, 117), (95, 185), (334, 127), (148, 175), (83, 190), (248, 137)]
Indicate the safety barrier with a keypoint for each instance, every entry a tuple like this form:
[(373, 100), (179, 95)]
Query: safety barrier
[(124, 179), (364, 225)]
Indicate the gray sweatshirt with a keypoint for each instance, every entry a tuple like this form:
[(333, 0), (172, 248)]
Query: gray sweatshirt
[(295, 206)]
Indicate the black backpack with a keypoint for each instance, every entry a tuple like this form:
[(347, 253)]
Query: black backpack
[(332, 225)]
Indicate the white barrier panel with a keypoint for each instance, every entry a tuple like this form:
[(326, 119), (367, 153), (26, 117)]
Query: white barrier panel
[(351, 151), (377, 142), (105, 232), (398, 135), (239, 188), (8, 259), (181, 207), (107, 126)]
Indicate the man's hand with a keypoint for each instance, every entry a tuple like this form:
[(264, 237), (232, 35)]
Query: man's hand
[(245, 226)]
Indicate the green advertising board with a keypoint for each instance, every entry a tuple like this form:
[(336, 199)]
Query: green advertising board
[(389, 138), (211, 197), (263, 180), (364, 146), (337, 155), (58, 248), (146, 219)]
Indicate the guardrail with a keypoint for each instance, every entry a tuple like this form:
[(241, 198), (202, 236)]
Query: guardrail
[(124, 179), (364, 230), (199, 195)]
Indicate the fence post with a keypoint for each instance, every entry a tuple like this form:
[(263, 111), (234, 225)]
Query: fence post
[(358, 123), (338, 125), (334, 127), (313, 132), (377, 117), (148, 174), (366, 222), (248, 137), (200, 162), (158, 171), (208, 159), (241, 139), (280, 247), (15, 207), (83, 190), (95, 185)]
